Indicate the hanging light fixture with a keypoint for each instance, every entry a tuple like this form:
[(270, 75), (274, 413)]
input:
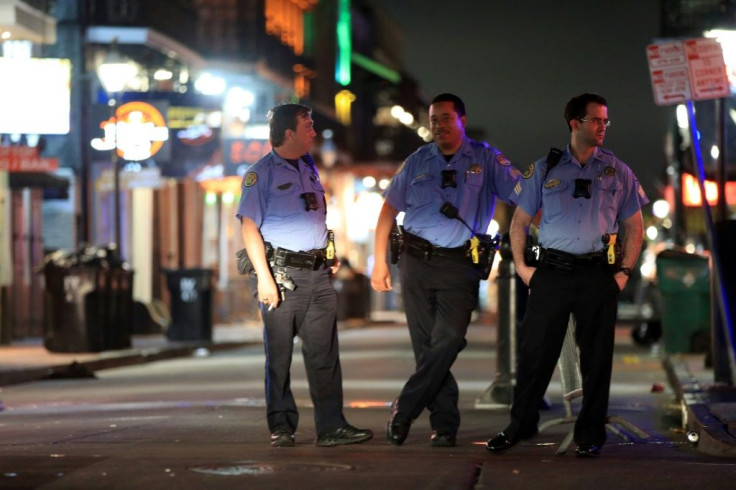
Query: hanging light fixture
[(115, 71)]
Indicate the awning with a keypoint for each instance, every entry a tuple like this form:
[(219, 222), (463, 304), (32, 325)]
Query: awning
[(21, 180), (145, 37), (24, 22)]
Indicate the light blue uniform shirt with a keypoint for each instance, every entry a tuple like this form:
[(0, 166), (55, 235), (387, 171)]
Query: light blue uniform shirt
[(577, 225), (271, 197), (482, 173)]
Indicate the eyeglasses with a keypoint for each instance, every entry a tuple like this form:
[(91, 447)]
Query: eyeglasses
[(597, 121)]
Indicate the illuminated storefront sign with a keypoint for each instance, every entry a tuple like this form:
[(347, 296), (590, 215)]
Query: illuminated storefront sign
[(691, 192), (245, 151), (139, 134), (25, 159), (285, 20)]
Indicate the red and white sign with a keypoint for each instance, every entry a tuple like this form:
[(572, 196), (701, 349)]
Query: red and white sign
[(708, 75), (669, 72), (25, 159), (684, 70)]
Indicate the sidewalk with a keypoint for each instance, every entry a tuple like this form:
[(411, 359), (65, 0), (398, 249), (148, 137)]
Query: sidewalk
[(709, 410), (29, 360)]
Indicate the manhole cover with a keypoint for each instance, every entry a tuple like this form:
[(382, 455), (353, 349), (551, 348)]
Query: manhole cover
[(254, 468)]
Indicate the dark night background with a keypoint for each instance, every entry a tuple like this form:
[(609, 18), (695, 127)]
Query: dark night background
[(515, 64)]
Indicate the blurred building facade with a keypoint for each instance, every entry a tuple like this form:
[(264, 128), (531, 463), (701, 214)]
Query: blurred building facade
[(712, 231), (684, 19), (187, 117)]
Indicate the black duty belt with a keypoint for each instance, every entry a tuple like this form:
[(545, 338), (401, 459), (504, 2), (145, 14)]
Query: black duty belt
[(421, 248), (312, 260), (567, 262)]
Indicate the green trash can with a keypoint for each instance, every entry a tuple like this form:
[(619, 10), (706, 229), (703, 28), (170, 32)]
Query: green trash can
[(684, 284)]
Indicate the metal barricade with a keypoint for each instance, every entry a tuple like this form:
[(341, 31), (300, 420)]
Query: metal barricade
[(572, 387)]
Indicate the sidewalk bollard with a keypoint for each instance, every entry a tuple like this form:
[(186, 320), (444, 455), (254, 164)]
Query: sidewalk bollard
[(501, 390)]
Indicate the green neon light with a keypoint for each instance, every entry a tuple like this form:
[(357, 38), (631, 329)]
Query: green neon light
[(309, 33), (376, 68), (344, 43)]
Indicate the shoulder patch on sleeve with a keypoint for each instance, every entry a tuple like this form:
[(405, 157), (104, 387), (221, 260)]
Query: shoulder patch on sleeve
[(250, 179), (642, 194), (502, 160), (529, 172)]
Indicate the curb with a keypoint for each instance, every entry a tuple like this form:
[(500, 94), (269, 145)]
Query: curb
[(710, 434), (129, 357)]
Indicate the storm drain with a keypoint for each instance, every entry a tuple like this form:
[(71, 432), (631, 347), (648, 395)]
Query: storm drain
[(255, 468)]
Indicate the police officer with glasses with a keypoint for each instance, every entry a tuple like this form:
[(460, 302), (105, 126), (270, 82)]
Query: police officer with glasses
[(585, 194)]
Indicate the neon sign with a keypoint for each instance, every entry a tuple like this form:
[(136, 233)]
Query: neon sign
[(137, 130)]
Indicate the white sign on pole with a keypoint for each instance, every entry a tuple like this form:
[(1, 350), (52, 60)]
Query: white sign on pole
[(684, 70), (708, 75), (669, 72)]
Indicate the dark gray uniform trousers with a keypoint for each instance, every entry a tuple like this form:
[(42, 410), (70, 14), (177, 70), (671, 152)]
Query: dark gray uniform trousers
[(308, 311), (439, 295)]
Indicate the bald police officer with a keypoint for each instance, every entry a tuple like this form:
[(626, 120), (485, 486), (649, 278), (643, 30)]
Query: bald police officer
[(583, 198), (439, 280), (282, 213)]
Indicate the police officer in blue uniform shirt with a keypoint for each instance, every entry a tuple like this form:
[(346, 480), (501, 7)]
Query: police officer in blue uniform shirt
[(583, 198), (439, 280), (282, 214)]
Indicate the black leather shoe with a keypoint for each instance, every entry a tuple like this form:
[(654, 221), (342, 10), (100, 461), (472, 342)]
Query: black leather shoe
[(282, 438), (442, 440), (344, 435), (500, 443), (397, 430), (587, 451)]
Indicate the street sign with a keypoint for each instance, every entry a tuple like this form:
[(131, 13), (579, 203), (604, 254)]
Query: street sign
[(669, 72), (708, 75), (25, 159), (684, 70)]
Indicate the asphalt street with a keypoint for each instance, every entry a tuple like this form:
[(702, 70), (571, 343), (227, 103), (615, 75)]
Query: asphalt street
[(199, 422)]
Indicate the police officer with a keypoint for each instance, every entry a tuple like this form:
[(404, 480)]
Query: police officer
[(283, 204), (439, 280), (583, 198)]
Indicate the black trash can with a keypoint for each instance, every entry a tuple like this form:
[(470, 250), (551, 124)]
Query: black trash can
[(117, 293), (191, 304), (353, 297), (88, 302)]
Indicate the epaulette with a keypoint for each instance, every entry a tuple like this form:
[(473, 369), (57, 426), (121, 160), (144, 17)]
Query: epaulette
[(479, 144), (553, 158)]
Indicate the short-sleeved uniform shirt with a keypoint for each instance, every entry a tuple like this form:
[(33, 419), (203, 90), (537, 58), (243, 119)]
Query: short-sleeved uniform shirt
[(577, 225), (481, 174), (272, 197)]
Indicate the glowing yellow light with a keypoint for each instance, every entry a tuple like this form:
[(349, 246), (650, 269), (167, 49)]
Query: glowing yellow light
[(343, 101)]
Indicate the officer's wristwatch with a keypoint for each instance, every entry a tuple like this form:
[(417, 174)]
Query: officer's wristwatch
[(626, 270)]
